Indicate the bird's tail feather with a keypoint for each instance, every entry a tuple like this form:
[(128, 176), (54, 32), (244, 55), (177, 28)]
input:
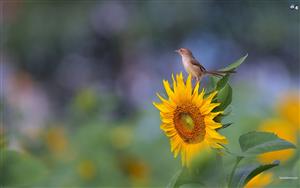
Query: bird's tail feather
[(219, 73), (225, 72)]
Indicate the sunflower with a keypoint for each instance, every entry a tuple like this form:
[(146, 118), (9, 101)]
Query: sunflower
[(188, 120)]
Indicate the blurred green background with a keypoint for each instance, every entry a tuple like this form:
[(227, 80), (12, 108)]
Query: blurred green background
[(78, 79)]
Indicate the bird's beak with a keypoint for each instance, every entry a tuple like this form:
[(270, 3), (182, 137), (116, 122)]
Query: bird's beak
[(177, 51)]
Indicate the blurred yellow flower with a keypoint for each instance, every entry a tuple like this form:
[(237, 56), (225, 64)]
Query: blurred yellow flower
[(289, 108), (121, 136), (286, 126), (188, 120), (56, 140), (137, 169), (261, 180), (86, 169), (86, 100), (283, 129)]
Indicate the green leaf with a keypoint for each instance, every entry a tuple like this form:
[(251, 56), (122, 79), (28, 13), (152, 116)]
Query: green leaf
[(235, 64), (222, 82), (254, 143), (224, 97), (243, 175), (212, 84)]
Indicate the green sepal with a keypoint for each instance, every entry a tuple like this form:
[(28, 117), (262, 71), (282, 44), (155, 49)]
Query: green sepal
[(225, 125)]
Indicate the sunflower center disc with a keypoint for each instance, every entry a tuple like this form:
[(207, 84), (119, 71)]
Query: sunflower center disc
[(189, 123)]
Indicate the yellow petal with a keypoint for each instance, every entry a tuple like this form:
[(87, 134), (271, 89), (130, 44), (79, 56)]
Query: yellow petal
[(216, 140), (168, 89), (208, 99), (212, 115), (174, 84), (168, 121), (198, 99), (175, 145), (211, 96), (167, 102), (207, 109), (181, 89), (214, 134), (183, 155), (171, 132), (167, 127), (212, 124), (189, 86), (195, 91), (163, 107)]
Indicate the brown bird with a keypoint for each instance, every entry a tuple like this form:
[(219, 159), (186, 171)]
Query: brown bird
[(193, 67)]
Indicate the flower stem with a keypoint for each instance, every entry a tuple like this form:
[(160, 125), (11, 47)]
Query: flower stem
[(238, 159)]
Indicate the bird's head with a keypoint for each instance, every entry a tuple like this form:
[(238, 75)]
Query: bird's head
[(184, 52)]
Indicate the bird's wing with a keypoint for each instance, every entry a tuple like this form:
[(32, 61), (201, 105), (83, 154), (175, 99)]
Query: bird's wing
[(196, 63)]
